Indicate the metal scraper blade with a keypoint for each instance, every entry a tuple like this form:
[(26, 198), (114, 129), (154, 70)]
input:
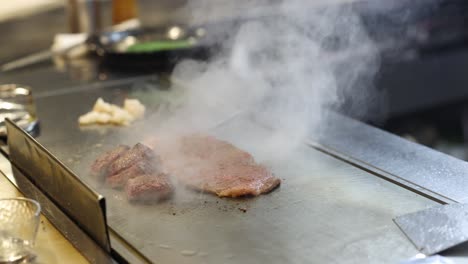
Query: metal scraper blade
[(436, 229)]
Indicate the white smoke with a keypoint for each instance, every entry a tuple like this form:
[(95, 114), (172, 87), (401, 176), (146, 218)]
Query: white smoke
[(281, 72)]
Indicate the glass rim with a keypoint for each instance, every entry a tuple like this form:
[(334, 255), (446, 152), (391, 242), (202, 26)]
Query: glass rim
[(24, 199)]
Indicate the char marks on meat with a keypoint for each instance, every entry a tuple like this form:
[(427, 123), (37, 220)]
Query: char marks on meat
[(149, 188), (233, 181), (141, 167), (101, 165), (132, 156), (138, 169), (208, 164), (200, 162)]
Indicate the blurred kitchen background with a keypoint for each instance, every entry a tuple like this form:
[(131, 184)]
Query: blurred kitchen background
[(424, 52)]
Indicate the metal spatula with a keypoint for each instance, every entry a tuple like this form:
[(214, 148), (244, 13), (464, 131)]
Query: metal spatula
[(436, 229)]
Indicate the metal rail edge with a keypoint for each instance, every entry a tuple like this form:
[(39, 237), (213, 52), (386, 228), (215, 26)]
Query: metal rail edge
[(75, 209), (72, 231), (420, 169), (121, 251), (51, 176)]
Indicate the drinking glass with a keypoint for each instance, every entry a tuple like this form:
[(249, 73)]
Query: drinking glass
[(17, 104), (19, 221)]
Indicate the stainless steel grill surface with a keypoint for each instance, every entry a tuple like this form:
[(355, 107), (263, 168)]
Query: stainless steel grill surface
[(325, 210)]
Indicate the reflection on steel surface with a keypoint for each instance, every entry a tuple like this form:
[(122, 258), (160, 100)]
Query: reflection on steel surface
[(75, 198), (413, 166), (436, 229), (87, 246), (324, 201)]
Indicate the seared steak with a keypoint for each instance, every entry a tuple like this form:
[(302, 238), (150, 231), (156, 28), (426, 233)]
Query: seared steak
[(101, 164), (138, 169), (141, 167), (149, 187), (208, 164), (200, 162), (132, 156), (232, 180)]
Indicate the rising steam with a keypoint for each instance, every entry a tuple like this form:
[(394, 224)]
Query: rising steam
[(281, 72)]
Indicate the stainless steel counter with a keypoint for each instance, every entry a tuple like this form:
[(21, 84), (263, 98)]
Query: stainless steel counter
[(325, 211)]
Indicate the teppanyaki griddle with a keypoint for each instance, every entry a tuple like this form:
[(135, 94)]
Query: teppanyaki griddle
[(325, 210)]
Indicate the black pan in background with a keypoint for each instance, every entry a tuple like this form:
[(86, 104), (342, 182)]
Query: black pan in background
[(111, 47)]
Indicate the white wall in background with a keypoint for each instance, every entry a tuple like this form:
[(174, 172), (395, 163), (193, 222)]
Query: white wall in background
[(18, 8)]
